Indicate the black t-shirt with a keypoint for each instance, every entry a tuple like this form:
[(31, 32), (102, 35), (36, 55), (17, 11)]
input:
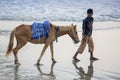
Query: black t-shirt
[(87, 26)]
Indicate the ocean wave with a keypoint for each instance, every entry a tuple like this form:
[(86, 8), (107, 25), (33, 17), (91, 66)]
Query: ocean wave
[(58, 10)]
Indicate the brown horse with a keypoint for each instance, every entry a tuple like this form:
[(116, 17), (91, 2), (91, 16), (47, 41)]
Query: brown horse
[(23, 35)]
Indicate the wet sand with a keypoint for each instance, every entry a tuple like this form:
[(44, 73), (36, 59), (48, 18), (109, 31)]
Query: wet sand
[(107, 44)]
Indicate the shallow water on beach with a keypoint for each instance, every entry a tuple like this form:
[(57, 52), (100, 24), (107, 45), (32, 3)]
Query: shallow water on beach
[(64, 69), (106, 68)]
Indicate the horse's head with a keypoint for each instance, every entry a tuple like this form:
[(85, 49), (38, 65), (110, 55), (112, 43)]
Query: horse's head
[(74, 34)]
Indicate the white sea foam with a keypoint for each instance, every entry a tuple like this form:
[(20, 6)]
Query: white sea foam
[(58, 10)]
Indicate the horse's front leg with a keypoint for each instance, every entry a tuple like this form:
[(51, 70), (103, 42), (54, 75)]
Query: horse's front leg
[(43, 51), (52, 52)]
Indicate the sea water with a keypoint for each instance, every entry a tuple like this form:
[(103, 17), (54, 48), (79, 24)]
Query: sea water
[(59, 10)]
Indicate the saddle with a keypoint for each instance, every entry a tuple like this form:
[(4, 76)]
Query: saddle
[(40, 29)]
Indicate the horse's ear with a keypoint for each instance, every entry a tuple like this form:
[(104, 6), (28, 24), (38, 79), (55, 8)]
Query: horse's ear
[(51, 24), (75, 26)]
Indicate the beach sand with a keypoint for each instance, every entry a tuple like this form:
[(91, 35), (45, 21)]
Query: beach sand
[(107, 50)]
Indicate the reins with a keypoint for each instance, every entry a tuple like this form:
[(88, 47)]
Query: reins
[(73, 32), (74, 36)]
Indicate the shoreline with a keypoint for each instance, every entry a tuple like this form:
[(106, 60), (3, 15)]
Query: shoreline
[(9, 25)]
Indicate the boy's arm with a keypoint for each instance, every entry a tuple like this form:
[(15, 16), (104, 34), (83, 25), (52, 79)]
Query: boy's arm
[(91, 28), (90, 33)]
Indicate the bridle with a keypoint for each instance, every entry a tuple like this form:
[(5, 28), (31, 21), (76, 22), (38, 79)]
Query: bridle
[(74, 37), (73, 33)]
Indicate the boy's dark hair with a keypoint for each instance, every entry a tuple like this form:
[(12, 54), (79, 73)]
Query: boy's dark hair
[(90, 11)]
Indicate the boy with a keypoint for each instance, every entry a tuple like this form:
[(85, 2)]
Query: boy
[(87, 28)]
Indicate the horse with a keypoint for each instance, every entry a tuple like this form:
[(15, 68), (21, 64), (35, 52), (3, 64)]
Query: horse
[(23, 34)]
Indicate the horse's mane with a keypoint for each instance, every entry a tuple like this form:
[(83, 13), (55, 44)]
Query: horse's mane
[(65, 28)]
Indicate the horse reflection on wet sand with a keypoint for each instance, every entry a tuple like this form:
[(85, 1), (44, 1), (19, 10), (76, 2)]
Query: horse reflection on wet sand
[(47, 76), (23, 35)]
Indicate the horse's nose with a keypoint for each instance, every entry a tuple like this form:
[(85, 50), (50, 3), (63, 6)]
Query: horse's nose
[(77, 41)]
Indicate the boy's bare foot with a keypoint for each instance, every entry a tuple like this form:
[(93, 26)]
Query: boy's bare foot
[(76, 60), (93, 58)]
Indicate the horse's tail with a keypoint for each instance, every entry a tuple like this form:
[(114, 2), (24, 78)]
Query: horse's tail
[(10, 46)]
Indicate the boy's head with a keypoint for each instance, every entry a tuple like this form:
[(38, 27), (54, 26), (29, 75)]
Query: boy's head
[(89, 12)]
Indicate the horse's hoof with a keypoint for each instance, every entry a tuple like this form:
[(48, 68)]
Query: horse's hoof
[(76, 60), (17, 64), (93, 59), (54, 61), (38, 64)]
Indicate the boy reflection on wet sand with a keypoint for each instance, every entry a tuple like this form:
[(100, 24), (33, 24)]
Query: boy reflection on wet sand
[(81, 72)]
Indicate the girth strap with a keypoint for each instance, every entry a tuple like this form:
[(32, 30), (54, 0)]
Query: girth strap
[(57, 28)]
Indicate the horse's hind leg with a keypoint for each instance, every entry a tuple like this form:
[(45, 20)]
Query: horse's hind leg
[(15, 51)]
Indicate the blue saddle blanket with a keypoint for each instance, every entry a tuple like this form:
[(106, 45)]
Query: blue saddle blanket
[(40, 29)]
